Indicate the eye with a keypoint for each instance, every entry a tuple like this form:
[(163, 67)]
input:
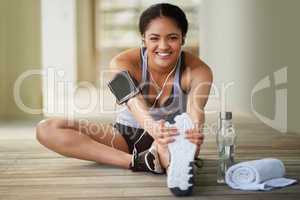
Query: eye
[(174, 38), (153, 38)]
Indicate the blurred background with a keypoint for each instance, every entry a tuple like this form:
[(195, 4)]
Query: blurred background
[(54, 56)]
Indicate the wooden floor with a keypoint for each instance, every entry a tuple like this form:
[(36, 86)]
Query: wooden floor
[(29, 171)]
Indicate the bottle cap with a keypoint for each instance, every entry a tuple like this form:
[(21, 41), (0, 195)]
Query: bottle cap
[(226, 115)]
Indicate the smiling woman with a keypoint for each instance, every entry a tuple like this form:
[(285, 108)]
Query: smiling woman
[(170, 81), (165, 81), (116, 29)]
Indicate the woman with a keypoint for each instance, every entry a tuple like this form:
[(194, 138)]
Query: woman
[(171, 82)]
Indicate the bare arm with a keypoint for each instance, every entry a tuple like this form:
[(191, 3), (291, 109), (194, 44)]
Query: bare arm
[(199, 88), (200, 84), (137, 105), (140, 111)]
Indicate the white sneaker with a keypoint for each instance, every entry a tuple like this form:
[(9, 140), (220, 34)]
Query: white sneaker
[(180, 174)]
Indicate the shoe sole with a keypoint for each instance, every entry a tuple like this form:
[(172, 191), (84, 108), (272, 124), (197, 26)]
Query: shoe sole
[(180, 179)]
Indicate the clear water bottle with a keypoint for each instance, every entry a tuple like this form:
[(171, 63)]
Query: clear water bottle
[(226, 140)]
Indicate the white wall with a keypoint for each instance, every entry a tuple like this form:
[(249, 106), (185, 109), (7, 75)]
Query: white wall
[(247, 41), (58, 54)]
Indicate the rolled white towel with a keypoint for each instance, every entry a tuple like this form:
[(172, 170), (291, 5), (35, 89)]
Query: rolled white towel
[(264, 174)]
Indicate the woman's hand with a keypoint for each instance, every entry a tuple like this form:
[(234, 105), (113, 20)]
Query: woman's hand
[(162, 134), (196, 137)]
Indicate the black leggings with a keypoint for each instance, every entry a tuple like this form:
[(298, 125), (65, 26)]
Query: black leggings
[(131, 135)]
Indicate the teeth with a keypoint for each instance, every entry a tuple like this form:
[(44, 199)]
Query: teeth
[(164, 54)]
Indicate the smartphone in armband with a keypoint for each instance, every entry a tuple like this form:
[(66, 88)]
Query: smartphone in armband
[(123, 87)]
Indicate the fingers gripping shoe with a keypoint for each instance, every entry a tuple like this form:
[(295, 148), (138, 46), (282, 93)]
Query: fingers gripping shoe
[(147, 161), (180, 177)]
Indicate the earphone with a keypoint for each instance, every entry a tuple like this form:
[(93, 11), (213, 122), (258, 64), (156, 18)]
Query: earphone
[(164, 84)]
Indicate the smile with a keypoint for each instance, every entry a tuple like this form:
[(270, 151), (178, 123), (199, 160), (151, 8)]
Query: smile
[(163, 54)]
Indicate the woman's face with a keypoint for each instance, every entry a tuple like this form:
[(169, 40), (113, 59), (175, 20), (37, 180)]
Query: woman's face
[(163, 41)]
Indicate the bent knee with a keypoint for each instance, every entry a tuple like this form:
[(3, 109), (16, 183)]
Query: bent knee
[(44, 129)]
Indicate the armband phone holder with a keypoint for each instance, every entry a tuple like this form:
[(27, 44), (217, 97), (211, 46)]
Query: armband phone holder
[(123, 87)]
